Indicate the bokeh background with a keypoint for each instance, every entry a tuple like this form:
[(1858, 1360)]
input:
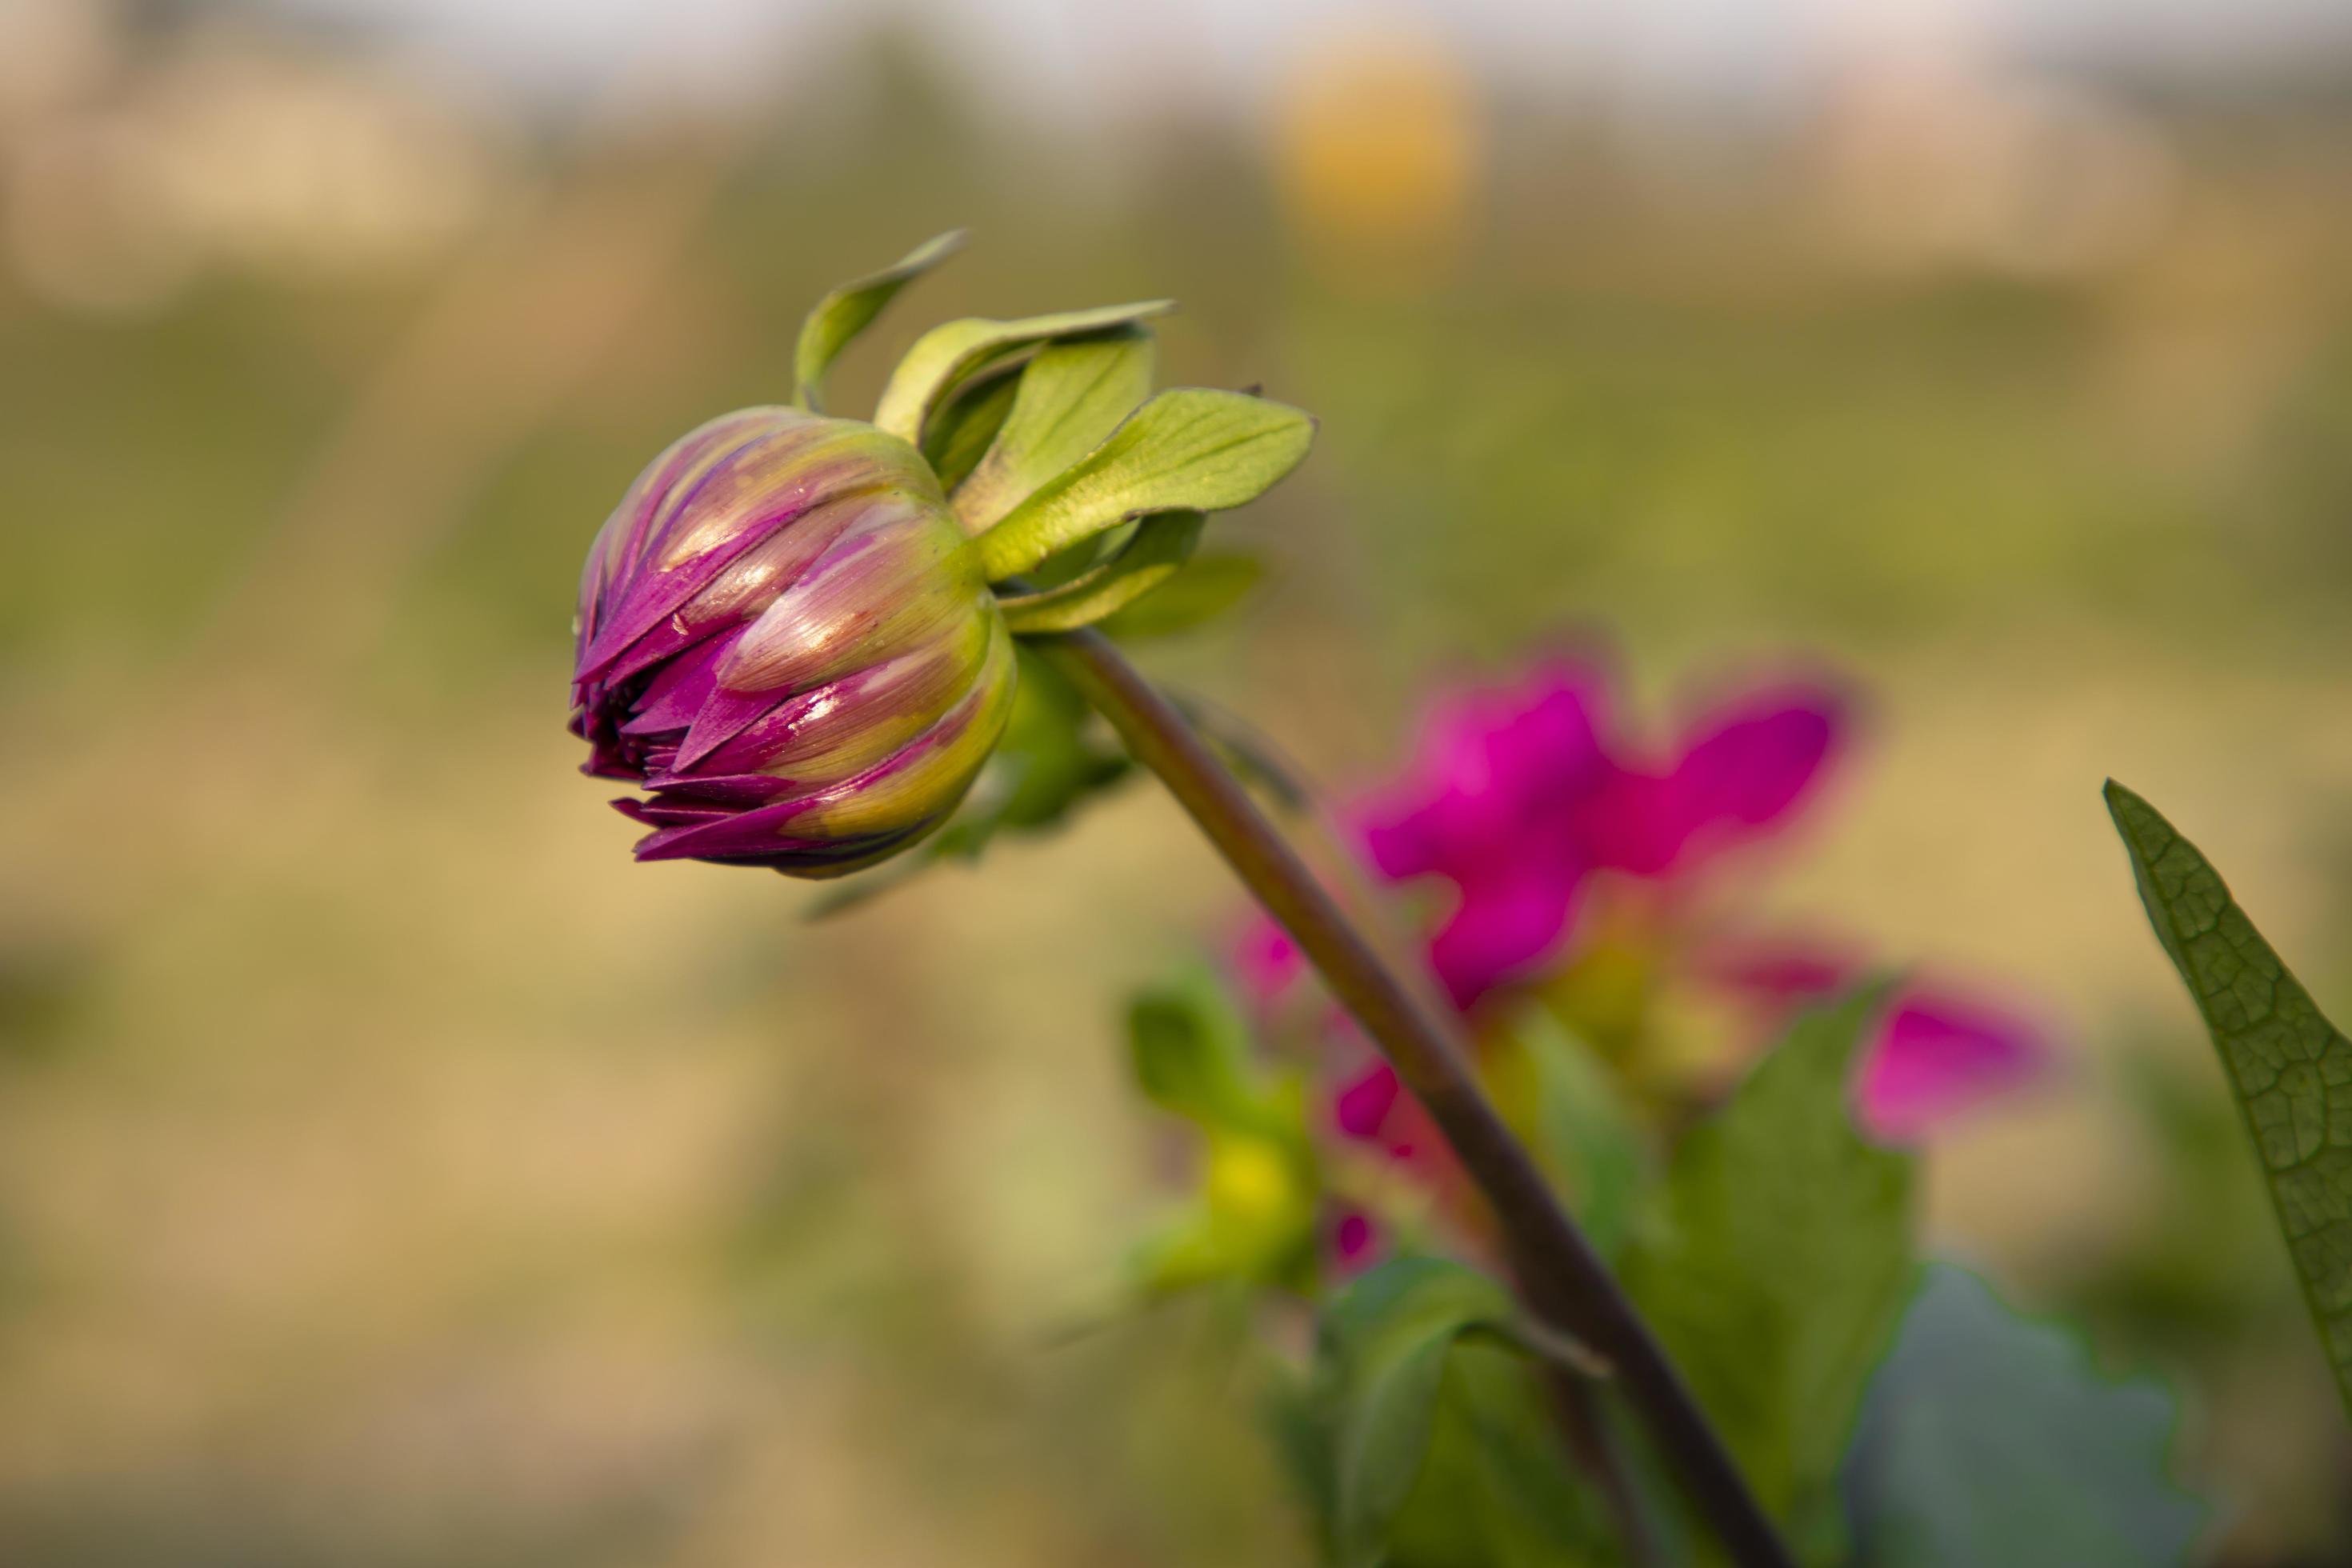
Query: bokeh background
[(391, 1174)]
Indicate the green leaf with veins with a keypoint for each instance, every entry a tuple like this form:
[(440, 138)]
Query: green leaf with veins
[(1992, 1438), (2289, 1068), (1188, 449), (943, 357), (1162, 543), (1778, 1261), (849, 310), (1073, 395)]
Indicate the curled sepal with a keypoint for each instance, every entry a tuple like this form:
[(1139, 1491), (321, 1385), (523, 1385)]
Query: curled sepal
[(1071, 397), (965, 427), (849, 310), (1188, 449), (949, 352), (1162, 543)]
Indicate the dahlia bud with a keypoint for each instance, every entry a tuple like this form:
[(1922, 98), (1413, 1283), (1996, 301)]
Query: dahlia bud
[(791, 632), (786, 638)]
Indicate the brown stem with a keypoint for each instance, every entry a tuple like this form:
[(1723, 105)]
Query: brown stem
[(1566, 1283)]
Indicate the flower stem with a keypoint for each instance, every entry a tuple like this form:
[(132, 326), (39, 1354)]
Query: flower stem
[(1567, 1284)]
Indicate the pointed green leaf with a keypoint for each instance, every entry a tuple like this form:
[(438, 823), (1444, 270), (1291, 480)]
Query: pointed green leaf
[(849, 310), (1156, 553), (1202, 589), (2289, 1067), (1191, 448), (943, 356), (1989, 1437), (1073, 395), (1780, 1260), (960, 434)]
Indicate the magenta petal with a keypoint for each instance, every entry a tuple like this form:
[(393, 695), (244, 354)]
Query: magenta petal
[(1779, 971), (760, 833), (729, 789), (1938, 1057), (680, 689), (1749, 766), (1266, 960), (1496, 764), (1361, 1109), (1505, 926)]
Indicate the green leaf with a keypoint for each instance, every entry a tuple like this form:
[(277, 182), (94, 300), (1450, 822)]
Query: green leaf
[(960, 434), (849, 310), (1073, 395), (1190, 1046), (1159, 550), (1989, 1437), (1188, 449), (1202, 589), (2289, 1067), (1498, 1489), (1441, 1445), (1387, 1337), (1780, 1259), (943, 356), (1586, 1134)]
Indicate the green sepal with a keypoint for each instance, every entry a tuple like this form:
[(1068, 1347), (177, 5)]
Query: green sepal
[(849, 310), (959, 433), (1162, 543), (1072, 396), (943, 357), (1193, 448), (2289, 1068), (1200, 591)]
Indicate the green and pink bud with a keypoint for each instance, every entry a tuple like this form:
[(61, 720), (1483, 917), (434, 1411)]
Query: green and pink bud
[(786, 640), (795, 632)]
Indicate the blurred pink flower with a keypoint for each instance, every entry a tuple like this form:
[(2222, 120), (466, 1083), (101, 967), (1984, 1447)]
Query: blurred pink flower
[(1520, 793)]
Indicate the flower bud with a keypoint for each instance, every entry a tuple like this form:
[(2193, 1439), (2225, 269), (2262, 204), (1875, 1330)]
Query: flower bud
[(785, 637)]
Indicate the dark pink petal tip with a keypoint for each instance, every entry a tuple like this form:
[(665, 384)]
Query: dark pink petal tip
[(1940, 1057)]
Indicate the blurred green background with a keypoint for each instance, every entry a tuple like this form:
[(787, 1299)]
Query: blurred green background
[(391, 1172)]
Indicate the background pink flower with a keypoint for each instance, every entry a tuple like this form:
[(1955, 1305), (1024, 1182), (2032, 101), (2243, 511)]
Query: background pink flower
[(1520, 793)]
